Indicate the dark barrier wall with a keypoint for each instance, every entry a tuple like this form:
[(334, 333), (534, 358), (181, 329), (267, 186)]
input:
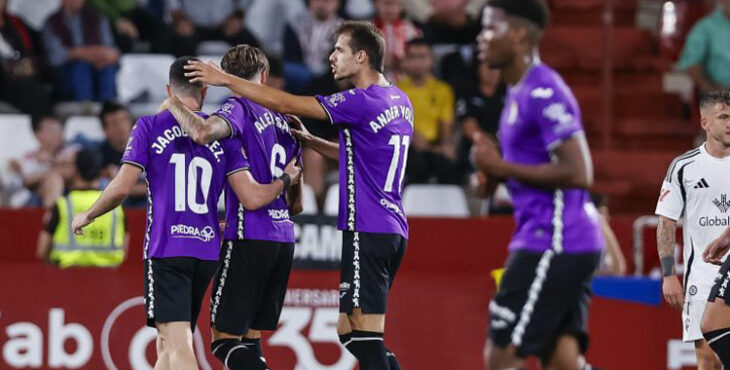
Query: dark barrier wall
[(437, 314)]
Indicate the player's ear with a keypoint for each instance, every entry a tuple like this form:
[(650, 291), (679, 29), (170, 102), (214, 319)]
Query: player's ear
[(361, 56), (169, 90), (264, 77), (703, 121)]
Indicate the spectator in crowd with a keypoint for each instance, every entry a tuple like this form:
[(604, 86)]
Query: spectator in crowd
[(45, 170), (308, 43), (478, 112), (267, 19), (133, 25), (194, 21), (117, 123), (705, 56), (103, 244), (80, 46), (447, 21), (613, 261), (397, 32), (459, 70), (20, 61), (432, 150)]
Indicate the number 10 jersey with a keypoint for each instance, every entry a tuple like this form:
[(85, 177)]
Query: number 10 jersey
[(184, 182)]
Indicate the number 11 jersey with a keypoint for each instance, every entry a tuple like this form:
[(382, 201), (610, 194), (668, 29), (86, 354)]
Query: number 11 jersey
[(184, 182), (376, 127)]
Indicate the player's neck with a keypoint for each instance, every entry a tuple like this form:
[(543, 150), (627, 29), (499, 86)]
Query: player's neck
[(367, 78), (190, 102), (514, 72), (717, 149)]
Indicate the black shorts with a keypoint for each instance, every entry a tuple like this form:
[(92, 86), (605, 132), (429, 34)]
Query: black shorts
[(722, 279), (369, 264), (250, 286), (174, 288), (542, 295)]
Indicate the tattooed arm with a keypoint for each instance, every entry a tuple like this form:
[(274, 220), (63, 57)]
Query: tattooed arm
[(666, 235)]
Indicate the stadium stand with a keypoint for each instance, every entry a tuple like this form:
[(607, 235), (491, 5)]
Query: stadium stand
[(86, 128), (435, 200)]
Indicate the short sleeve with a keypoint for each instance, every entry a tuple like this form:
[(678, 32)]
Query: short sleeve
[(556, 113), (671, 202), (236, 157), (344, 107), (136, 151), (695, 48), (232, 112)]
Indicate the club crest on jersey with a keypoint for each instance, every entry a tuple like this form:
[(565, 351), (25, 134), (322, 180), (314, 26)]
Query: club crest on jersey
[(558, 113), (723, 205), (226, 108), (692, 290), (335, 99)]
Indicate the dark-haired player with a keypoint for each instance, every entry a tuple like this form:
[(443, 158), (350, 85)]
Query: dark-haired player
[(249, 289), (376, 125), (182, 241), (542, 304)]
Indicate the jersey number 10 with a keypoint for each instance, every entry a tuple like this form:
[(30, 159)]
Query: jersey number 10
[(396, 141), (206, 173)]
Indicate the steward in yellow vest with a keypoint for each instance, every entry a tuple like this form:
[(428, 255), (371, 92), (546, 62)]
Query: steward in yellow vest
[(104, 242)]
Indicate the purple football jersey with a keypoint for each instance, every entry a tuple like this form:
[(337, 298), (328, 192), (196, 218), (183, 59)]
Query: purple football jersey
[(540, 113), (376, 126), (184, 182), (269, 147)]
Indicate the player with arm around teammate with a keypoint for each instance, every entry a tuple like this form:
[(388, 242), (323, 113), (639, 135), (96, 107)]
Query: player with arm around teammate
[(375, 121), (258, 248), (182, 241)]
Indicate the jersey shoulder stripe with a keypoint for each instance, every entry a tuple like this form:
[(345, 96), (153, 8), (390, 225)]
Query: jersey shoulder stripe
[(680, 159)]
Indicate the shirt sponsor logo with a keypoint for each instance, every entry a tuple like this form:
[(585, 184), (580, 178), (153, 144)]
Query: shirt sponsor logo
[(128, 148), (391, 206), (542, 93), (226, 109), (205, 234), (722, 204), (279, 214), (705, 221)]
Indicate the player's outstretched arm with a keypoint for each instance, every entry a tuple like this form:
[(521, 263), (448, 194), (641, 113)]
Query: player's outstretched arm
[(114, 194), (274, 99), (571, 167), (202, 131), (324, 147), (254, 195), (666, 240)]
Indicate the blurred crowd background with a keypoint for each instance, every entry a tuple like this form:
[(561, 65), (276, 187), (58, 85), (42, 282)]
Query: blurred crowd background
[(75, 74)]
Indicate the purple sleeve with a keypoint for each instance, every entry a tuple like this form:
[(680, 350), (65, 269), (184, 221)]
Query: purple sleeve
[(344, 107), (232, 112), (236, 159), (557, 115), (136, 150)]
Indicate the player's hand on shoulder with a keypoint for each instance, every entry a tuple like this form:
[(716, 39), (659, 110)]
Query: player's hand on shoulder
[(206, 72), (294, 170), (672, 290), (717, 249), (298, 129), (79, 222)]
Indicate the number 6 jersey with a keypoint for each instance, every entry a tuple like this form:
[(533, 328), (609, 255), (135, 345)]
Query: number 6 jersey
[(184, 181), (376, 127), (269, 147)]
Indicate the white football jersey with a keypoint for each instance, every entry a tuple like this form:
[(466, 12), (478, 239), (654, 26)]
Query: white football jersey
[(696, 189)]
